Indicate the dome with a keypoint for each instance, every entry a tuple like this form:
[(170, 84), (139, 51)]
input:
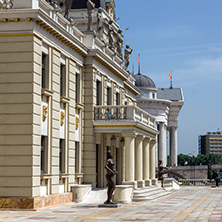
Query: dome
[(144, 81)]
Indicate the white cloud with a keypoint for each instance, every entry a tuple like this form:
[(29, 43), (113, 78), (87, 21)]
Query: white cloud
[(190, 73), (174, 31)]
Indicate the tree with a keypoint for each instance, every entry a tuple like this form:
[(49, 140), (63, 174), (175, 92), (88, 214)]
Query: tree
[(200, 159)]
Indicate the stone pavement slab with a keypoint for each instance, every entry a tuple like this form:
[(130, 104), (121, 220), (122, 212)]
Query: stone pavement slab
[(188, 204)]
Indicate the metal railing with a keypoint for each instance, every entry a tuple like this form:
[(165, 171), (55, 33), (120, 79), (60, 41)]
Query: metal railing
[(130, 113), (198, 182)]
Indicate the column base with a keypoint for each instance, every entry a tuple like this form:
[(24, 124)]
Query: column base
[(154, 181), (134, 183), (148, 183), (140, 183)]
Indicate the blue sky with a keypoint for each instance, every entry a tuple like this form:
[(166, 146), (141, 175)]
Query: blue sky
[(184, 36)]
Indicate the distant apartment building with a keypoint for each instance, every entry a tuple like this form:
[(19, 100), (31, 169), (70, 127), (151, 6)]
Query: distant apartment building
[(210, 143)]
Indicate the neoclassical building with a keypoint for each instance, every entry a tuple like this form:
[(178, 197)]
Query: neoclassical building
[(66, 98), (165, 104)]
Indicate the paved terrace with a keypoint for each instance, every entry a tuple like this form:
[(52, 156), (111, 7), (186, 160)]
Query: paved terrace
[(188, 204)]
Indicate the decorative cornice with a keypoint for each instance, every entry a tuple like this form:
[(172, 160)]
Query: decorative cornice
[(52, 31), (108, 66)]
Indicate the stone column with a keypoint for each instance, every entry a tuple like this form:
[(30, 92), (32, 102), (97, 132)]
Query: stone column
[(173, 146), (139, 161), (123, 162), (130, 160), (146, 161), (152, 162), (162, 144)]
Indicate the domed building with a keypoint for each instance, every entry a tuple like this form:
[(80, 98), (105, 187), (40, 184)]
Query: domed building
[(165, 104)]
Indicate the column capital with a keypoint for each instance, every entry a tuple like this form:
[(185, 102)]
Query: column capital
[(172, 128), (153, 141), (140, 137), (147, 139)]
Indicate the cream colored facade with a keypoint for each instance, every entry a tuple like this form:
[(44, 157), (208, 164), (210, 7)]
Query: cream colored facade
[(64, 95)]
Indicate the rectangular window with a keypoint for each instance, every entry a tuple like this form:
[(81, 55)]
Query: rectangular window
[(43, 70), (62, 80), (76, 157), (108, 96), (43, 152), (98, 93), (61, 155), (78, 88), (117, 99)]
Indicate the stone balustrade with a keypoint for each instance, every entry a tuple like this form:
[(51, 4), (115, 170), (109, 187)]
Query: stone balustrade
[(129, 113), (60, 20)]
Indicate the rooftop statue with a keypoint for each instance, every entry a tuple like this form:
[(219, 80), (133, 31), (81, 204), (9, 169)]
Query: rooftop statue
[(68, 4), (100, 27), (110, 34), (6, 4), (119, 43), (90, 9), (128, 51)]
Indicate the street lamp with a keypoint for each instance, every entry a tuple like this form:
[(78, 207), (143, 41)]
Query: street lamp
[(122, 142), (113, 140)]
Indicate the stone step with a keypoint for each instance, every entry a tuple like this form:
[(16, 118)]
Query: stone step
[(146, 189), (152, 197), (150, 193)]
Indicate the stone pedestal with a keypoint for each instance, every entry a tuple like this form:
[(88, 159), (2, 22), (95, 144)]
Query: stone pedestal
[(79, 192), (123, 193)]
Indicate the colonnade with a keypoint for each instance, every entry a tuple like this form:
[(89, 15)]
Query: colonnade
[(139, 160), (162, 144)]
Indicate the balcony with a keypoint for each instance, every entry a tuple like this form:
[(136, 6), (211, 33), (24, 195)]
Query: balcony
[(123, 115)]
